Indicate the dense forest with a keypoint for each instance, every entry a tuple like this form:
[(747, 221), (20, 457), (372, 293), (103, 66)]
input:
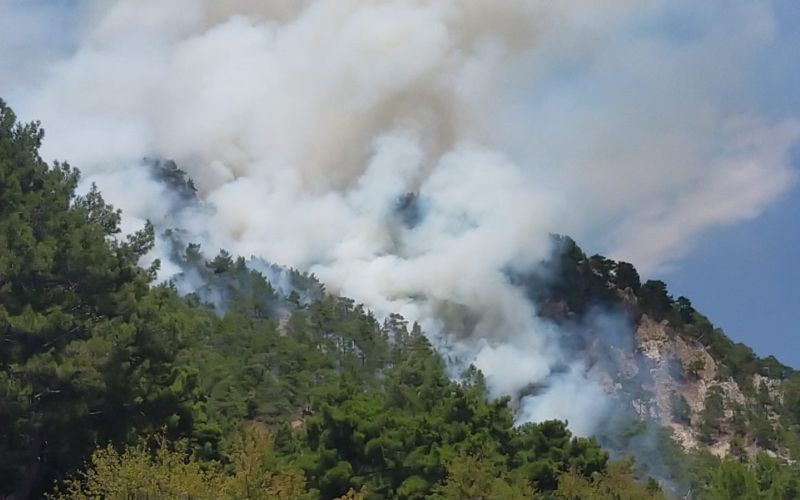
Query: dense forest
[(114, 386)]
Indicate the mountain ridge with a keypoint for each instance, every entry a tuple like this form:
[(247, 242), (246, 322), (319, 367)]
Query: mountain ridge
[(242, 387), (687, 357)]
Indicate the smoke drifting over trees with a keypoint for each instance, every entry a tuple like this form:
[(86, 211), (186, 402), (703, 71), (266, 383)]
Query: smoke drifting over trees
[(304, 125)]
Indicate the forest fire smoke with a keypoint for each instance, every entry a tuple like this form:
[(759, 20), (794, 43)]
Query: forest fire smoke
[(306, 124)]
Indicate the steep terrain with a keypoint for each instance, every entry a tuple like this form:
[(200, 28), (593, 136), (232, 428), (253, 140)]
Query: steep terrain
[(238, 378), (675, 367)]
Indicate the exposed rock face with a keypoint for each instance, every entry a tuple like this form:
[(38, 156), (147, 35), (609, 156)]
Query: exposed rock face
[(671, 366), (682, 368)]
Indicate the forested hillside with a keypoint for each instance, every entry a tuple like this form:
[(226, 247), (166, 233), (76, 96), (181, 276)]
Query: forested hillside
[(677, 367), (113, 386)]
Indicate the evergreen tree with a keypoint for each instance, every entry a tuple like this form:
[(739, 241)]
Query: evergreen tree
[(87, 346)]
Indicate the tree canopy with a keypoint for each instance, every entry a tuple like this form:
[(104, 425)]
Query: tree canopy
[(112, 386)]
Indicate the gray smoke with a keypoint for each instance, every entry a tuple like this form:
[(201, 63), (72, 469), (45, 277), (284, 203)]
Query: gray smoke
[(305, 124)]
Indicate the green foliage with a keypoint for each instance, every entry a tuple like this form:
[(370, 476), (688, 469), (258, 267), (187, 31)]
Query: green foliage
[(576, 283), (733, 359), (399, 438), (138, 473), (167, 471), (406, 436), (686, 312), (279, 390), (695, 366), (768, 478), (654, 300), (575, 280), (87, 344), (762, 430), (732, 481), (626, 276), (167, 171), (712, 415), (617, 483), (469, 476)]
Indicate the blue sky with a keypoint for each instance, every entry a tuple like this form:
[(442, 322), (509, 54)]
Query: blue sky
[(746, 277)]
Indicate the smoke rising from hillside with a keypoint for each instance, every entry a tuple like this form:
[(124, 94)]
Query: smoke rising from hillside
[(304, 124)]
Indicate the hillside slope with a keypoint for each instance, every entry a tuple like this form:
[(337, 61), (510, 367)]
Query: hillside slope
[(675, 368), (242, 379)]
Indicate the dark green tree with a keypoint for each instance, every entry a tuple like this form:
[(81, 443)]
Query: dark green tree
[(626, 276), (654, 299), (86, 345)]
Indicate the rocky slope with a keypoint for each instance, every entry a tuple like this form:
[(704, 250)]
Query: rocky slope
[(666, 362)]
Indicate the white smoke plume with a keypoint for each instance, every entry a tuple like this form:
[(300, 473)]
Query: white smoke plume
[(303, 123)]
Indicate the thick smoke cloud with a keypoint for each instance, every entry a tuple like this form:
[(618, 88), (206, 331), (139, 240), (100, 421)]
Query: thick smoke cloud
[(304, 125)]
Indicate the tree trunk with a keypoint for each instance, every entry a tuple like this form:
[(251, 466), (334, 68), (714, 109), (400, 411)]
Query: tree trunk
[(31, 475)]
